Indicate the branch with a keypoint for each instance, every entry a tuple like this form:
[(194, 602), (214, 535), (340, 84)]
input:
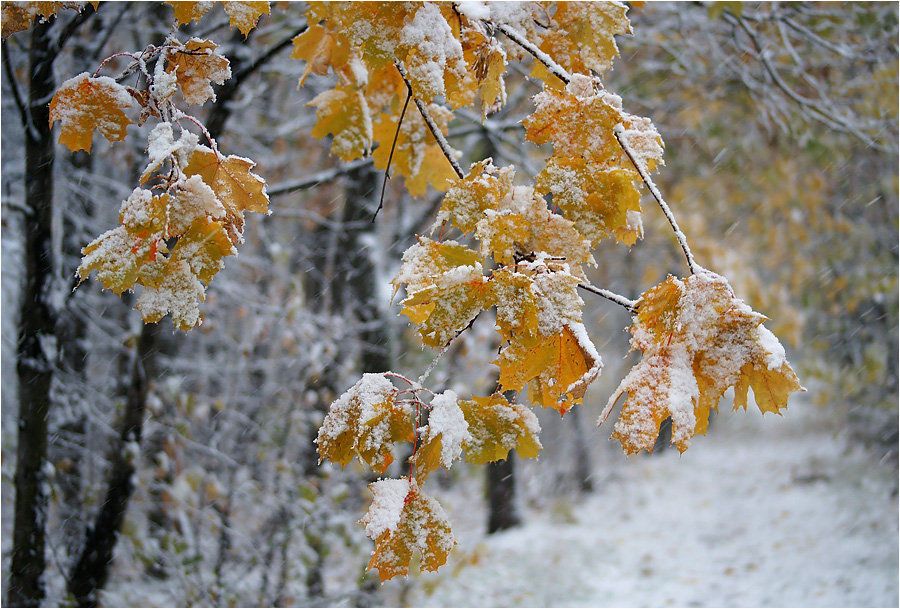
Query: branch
[(326, 175), (387, 175), (631, 305), (538, 54), (619, 131), (448, 151), (24, 114)]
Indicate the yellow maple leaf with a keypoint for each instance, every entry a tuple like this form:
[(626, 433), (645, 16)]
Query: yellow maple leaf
[(402, 519), (496, 427), (445, 308), (442, 439), (426, 260), (697, 341), (195, 66), (522, 227), (320, 49), (83, 104), (18, 16), (245, 15), (234, 185)]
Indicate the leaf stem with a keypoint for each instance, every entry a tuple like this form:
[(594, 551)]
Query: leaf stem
[(448, 151), (619, 132)]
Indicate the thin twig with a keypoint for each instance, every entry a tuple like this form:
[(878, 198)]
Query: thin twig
[(631, 305), (387, 170), (448, 151), (555, 69), (619, 131)]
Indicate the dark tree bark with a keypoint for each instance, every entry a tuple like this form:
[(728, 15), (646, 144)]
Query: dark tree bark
[(501, 490), (91, 571), (36, 332)]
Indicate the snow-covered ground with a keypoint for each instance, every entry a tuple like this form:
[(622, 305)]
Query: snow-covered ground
[(764, 511)]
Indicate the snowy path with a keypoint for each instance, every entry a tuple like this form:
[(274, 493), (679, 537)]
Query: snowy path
[(762, 512)]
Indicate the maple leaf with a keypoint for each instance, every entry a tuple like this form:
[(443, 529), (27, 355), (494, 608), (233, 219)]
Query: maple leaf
[(599, 201), (365, 422), (443, 309), (549, 350), (496, 427), (320, 49), (443, 438), (18, 16), (467, 198), (343, 113), (203, 246), (83, 104), (591, 27), (402, 519), (195, 67), (697, 341), (117, 256), (430, 51), (178, 292), (558, 368), (234, 185)]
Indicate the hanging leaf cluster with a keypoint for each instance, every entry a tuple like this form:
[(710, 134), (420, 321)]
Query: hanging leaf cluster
[(187, 214), (518, 256)]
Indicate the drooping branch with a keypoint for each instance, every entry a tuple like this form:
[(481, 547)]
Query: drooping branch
[(387, 170), (448, 151), (619, 131), (631, 305)]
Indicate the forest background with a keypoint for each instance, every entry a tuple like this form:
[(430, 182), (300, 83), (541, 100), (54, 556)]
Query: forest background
[(780, 123)]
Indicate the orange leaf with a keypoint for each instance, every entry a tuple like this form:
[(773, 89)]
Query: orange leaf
[(496, 427), (83, 104), (697, 341), (402, 519)]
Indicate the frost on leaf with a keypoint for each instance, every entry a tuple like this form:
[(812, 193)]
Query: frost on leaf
[(83, 104), (496, 427), (590, 28), (402, 519), (18, 16), (468, 198), (598, 200), (522, 227), (443, 438), (234, 185), (365, 422), (195, 66), (697, 341)]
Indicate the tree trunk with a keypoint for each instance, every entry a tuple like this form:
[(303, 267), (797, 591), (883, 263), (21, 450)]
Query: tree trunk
[(502, 511), (36, 334), (90, 573)]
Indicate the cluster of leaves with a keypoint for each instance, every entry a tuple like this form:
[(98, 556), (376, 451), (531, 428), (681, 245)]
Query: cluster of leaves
[(697, 338), (188, 212)]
